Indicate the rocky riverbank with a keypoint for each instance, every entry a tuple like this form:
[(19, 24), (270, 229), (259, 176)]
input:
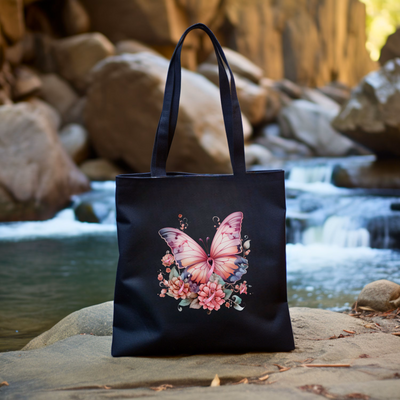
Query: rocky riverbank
[(81, 90), (337, 356)]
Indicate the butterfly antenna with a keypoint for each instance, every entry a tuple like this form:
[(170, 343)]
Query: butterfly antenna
[(208, 250)]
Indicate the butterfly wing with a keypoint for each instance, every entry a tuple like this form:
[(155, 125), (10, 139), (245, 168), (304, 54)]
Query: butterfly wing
[(188, 254), (230, 268), (225, 247)]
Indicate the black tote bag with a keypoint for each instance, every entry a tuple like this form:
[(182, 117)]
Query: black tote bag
[(223, 293)]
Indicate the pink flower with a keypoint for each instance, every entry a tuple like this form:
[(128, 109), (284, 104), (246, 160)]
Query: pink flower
[(160, 277), (168, 260), (243, 288), (168, 270), (178, 288), (163, 292), (211, 296)]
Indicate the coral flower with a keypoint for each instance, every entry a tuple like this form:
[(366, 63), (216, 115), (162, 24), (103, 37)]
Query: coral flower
[(160, 277), (168, 260), (168, 270), (243, 288), (211, 296), (179, 288)]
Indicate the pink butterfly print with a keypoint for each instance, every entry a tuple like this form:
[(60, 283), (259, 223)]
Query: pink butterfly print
[(222, 259)]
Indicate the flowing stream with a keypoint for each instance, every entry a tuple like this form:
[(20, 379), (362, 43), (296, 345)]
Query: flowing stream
[(338, 241)]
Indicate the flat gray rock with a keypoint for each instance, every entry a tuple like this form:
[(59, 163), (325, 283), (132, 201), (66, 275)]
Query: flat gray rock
[(94, 320), (81, 367)]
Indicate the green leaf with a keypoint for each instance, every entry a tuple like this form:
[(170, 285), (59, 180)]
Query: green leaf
[(173, 274), (185, 302), (236, 299), (228, 293), (221, 281), (237, 307), (195, 304), (169, 294)]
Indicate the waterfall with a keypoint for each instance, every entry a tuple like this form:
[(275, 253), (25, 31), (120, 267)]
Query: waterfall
[(311, 174), (337, 231)]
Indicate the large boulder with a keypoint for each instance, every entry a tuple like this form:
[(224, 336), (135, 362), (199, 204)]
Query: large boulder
[(239, 65), (253, 98), (75, 141), (368, 174), (26, 82), (37, 177), (300, 41), (76, 55), (75, 18), (12, 19), (124, 106), (391, 48), (371, 117), (382, 295), (132, 47), (95, 320), (81, 367), (309, 123), (100, 169), (58, 93), (156, 22)]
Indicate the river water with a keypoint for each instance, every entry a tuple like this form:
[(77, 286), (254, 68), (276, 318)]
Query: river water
[(338, 241)]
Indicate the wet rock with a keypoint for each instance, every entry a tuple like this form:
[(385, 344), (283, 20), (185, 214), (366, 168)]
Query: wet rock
[(37, 177), (75, 18), (382, 295), (57, 92), (309, 123), (131, 46), (252, 97), (76, 114), (75, 141), (391, 49), (49, 113), (76, 55), (26, 82), (257, 154), (395, 206), (290, 88), (368, 174), (384, 232), (12, 19), (371, 117), (319, 98), (95, 207), (336, 91), (34, 374), (95, 320), (239, 65), (274, 105), (100, 170), (281, 147), (127, 133)]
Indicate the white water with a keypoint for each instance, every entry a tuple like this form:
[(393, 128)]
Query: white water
[(63, 224), (311, 174), (337, 231)]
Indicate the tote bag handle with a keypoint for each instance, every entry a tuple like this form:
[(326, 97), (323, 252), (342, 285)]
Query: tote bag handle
[(169, 115)]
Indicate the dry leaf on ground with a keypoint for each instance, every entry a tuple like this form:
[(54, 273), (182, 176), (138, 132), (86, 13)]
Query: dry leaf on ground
[(161, 387), (216, 381), (263, 378), (281, 368)]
